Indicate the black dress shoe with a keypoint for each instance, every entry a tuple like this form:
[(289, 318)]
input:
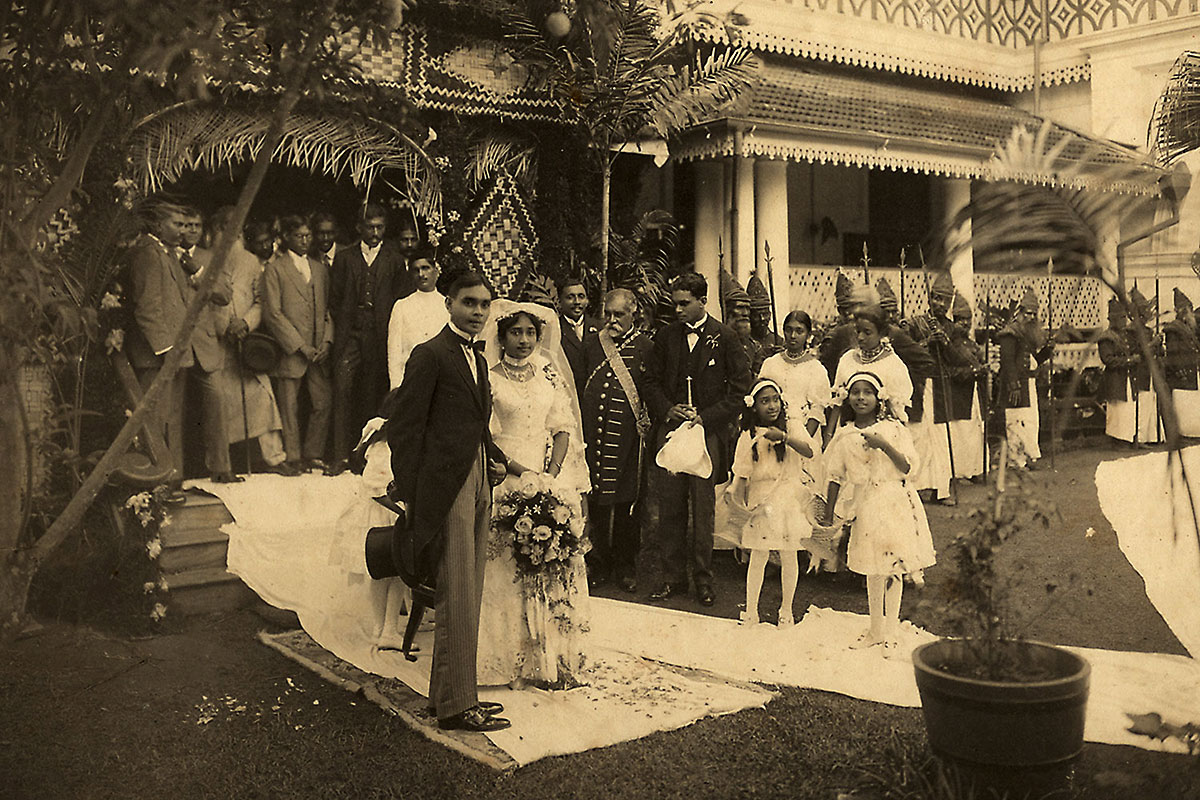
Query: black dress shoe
[(175, 497), (491, 709), (665, 591), (706, 596), (288, 469), (337, 467), (629, 585), (474, 719), (226, 477)]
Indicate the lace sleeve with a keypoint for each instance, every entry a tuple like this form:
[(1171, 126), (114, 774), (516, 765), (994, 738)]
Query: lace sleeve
[(742, 460), (562, 419), (559, 419), (901, 439), (835, 459)]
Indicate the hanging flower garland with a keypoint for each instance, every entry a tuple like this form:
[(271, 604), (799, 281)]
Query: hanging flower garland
[(149, 510)]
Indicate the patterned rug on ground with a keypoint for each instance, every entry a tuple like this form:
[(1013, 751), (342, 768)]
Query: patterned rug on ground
[(624, 698)]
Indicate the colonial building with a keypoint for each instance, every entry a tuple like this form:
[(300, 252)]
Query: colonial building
[(874, 119)]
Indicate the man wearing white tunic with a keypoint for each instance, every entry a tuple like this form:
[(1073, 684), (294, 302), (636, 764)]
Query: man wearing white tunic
[(249, 401), (416, 318)]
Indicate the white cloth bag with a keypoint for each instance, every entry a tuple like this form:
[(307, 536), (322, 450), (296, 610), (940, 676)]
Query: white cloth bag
[(686, 452)]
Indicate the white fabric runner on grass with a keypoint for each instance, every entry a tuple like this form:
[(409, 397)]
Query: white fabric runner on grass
[(279, 545), (1153, 515), (815, 654)]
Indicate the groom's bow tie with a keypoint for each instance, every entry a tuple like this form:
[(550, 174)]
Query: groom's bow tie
[(472, 344), (697, 329)]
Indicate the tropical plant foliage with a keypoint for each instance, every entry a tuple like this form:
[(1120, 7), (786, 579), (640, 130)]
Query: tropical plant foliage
[(625, 71), (74, 75), (641, 259), (210, 137), (1175, 125)]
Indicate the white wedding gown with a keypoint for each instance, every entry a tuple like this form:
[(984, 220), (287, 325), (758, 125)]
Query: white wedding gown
[(532, 628)]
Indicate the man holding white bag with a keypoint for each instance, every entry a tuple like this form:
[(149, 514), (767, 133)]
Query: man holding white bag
[(696, 375)]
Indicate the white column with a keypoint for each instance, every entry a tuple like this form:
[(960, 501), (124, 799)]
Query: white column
[(771, 221), (743, 223), (956, 194), (710, 196)]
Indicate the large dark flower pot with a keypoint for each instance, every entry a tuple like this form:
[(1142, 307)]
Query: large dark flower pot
[(999, 724)]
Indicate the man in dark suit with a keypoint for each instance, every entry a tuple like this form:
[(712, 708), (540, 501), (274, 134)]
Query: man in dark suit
[(443, 465), (576, 326), (161, 293), (697, 372), (372, 276)]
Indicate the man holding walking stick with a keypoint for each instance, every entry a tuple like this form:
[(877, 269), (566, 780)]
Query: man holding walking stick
[(246, 394)]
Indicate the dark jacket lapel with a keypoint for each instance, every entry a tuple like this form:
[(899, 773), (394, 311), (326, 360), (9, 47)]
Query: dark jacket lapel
[(454, 352)]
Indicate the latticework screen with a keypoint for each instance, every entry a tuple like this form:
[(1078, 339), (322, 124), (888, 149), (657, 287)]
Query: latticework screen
[(1063, 300)]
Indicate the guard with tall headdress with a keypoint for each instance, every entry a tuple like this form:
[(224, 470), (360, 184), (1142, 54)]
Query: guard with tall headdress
[(1024, 345), (738, 316), (1118, 360), (1180, 360), (965, 368), (1182, 351), (1145, 405), (928, 424), (841, 337), (760, 318)]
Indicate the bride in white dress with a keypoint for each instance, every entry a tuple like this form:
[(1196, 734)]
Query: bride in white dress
[(532, 627)]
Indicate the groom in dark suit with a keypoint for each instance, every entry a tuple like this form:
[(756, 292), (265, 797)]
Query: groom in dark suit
[(697, 371), (443, 465)]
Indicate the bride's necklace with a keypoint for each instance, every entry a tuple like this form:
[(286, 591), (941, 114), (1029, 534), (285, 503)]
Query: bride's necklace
[(519, 371)]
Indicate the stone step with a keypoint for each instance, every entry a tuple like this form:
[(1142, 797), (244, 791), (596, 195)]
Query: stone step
[(201, 511), (192, 548), (206, 591)]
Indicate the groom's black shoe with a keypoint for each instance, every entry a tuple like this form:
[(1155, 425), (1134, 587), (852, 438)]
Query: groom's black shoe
[(474, 719), (706, 596), (665, 591), (492, 709)]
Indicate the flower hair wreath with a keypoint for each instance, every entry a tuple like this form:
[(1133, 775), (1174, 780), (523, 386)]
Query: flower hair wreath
[(758, 387), (843, 390)]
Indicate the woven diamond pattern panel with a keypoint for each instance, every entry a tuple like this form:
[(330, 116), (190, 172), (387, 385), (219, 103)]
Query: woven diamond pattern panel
[(444, 71), (839, 104), (503, 238), (1071, 299)]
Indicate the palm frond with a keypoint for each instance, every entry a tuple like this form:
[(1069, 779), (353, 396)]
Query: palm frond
[(208, 137), (641, 260), (495, 154), (698, 90), (1021, 220), (1175, 124)]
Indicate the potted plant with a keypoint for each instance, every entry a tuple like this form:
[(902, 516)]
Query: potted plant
[(992, 700)]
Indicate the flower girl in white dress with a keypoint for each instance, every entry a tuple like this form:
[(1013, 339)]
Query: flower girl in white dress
[(867, 464)]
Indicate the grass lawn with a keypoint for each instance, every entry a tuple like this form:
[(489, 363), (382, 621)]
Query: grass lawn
[(204, 710)]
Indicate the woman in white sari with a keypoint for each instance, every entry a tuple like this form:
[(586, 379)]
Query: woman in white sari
[(532, 625)]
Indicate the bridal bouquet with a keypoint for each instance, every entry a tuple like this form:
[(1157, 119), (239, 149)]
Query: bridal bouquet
[(538, 518)]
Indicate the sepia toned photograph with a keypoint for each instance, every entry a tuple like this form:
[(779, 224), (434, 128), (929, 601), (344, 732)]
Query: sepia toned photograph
[(592, 399)]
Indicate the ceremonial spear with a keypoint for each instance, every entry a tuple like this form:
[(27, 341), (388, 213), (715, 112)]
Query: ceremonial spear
[(771, 289)]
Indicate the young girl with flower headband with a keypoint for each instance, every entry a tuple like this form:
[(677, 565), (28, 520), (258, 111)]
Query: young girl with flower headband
[(867, 464), (772, 487)]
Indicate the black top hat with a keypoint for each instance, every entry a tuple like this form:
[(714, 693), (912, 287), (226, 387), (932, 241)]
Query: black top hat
[(260, 353)]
